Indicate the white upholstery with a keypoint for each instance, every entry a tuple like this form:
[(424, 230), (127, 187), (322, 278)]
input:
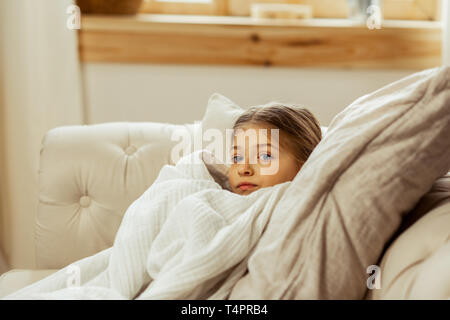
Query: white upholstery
[(89, 175), (16, 279), (417, 263)]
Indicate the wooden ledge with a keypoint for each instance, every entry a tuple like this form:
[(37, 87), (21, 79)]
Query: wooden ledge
[(175, 39)]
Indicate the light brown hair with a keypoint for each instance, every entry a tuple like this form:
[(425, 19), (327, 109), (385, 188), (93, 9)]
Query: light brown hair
[(298, 124)]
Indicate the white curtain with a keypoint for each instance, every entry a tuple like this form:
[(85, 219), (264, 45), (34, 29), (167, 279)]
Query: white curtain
[(40, 89)]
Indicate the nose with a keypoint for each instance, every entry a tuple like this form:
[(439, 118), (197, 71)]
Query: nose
[(245, 170)]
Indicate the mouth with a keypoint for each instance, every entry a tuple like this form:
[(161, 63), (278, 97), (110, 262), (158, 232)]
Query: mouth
[(246, 186)]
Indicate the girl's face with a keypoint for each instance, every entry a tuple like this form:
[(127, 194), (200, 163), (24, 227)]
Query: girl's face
[(259, 162)]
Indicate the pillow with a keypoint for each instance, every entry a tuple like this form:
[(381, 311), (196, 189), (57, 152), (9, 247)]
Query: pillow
[(380, 156), (221, 114)]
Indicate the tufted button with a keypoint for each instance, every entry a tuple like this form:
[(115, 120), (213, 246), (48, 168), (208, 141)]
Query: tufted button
[(85, 201), (130, 150)]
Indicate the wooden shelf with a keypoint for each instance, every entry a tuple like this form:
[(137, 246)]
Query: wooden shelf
[(175, 39)]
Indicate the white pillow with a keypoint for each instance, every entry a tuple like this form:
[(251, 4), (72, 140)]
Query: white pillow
[(221, 113)]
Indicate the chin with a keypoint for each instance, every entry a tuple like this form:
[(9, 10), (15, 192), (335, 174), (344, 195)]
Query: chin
[(246, 192)]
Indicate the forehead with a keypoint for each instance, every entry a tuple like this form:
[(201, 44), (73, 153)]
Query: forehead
[(254, 134)]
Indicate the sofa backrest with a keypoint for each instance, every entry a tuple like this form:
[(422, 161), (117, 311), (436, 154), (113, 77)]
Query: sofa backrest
[(89, 175)]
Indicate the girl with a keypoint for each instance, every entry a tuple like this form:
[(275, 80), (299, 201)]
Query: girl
[(298, 134)]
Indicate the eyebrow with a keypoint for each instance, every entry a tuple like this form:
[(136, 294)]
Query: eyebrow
[(259, 146), (268, 145)]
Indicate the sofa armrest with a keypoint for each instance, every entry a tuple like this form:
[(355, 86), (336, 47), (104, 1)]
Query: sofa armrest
[(16, 279)]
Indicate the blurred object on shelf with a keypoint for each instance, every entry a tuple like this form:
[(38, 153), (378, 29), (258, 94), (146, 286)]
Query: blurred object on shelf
[(281, 11), (243, 7), (110, 6), (320, 8), (329, 8), (411, 9), (186, 7)]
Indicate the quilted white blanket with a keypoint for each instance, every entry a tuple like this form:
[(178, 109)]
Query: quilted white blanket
[(185, 238)]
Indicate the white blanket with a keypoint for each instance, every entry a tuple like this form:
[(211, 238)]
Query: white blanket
[(185, 238)]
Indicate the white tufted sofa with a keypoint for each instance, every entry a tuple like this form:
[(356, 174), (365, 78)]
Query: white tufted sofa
[(90, 174)]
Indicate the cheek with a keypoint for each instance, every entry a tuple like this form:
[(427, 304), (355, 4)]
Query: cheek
[(274, 178), (288, 169), (231, 174)]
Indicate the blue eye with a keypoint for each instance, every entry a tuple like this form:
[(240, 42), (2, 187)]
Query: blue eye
[(265, 157), (237, 159)]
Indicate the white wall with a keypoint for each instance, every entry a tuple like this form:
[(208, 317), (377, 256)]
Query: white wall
[(178, 94)]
